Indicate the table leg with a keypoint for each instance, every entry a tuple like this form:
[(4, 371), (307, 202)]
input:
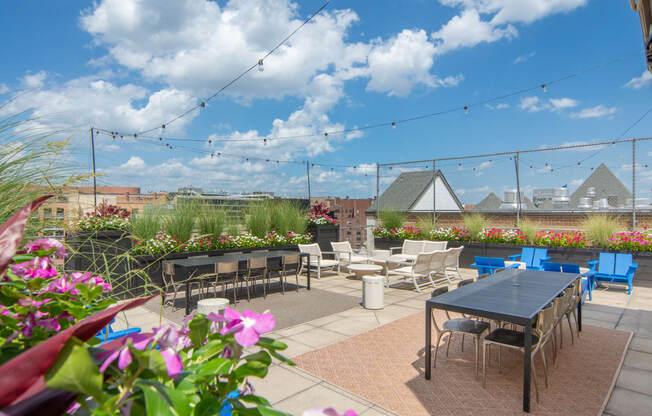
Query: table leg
[(527, 370), (187, 297), (579, 315), (428, 341), (308, 272)]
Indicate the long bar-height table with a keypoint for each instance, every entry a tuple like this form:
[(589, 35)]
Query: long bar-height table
[(197, 262), (514, 296)]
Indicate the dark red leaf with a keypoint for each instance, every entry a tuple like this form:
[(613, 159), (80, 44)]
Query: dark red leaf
[(11, 231), (25, 370)]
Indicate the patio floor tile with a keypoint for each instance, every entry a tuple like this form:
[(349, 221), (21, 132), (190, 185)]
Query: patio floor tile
[(317, 337), (636, 379), (626, 402), (641, 344), (320, 396), (280, 383), (640, 360)]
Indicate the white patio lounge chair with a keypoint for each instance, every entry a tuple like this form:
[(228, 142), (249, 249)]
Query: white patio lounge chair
[(429, 246), (418, 270), (438, 266), (316, 259), (408, 252), (344, 254), (453, 262)]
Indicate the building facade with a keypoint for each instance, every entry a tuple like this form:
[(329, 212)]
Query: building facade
[(351, 217)]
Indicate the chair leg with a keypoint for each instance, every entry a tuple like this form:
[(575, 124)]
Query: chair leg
[(462, 341), (571, 328), (477, 353), (416, 285), (484, 364), (448, 344), (545, 364), (434, 361), (297, 276), (577, 324)]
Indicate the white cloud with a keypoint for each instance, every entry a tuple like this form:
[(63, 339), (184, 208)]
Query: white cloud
[(36, 80), (402, 62), (492, 20), (534, 104), (134, 164), (3, 88), (111, 148), (523, 58), (499, 106), (595, 112), (467, 30), (645, 80)]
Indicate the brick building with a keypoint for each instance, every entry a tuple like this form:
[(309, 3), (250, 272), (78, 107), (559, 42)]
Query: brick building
[(351, 217)]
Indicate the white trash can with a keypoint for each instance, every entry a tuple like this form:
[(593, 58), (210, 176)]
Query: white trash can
[(373, 292), (216, 305)]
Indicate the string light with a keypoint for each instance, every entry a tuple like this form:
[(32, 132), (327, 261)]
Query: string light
[(326, 134), (394, 125), (264, 142), (203, 104), (544, 87), (466, 109), (210, 141), (260, 65)]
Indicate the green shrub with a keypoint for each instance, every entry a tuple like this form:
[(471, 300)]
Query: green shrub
[(258, 219), (294, 217), (598, 228), (211, 221), (427, 226), (278, 218), (180, 222), (529, 229), (475, 223), (147, 224), (391, 219)]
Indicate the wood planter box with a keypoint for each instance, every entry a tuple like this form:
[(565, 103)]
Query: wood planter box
[(574, 255), (324, 235)]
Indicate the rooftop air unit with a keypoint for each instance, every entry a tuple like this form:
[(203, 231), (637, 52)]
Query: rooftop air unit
[(509, 202), (561, 200)]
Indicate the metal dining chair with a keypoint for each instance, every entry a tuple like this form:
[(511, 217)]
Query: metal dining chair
[(464, 326), (290, 264), (225, 274), (482, 276), (170, 285), (503, 337), (256, 270)]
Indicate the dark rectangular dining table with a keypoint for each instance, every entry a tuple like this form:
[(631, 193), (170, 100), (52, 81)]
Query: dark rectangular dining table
[(514, 296), (197, 262)]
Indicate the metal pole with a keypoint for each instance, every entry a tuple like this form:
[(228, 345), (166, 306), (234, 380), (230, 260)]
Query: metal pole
[(308, 174), (94, 177), (518, 191), (434, 193), (377, 190), (634, 185)]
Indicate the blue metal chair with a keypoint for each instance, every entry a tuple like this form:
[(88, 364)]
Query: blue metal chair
[(551, 266), (612, 267), (570, 268), (483, 264), (107, 334), (532, 257)]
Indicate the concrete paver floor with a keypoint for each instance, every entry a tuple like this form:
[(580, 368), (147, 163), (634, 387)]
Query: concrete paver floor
[(292, 390)]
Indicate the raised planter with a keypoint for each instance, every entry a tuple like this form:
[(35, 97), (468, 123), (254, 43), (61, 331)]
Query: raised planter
[(324, 235), (575, 255)]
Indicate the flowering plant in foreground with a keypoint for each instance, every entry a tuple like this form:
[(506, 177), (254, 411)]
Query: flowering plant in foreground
[(197, 369), (37, 301)]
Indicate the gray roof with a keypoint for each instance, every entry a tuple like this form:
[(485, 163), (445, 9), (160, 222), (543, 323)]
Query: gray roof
[(606, 185), (406, 189), (492, 203)]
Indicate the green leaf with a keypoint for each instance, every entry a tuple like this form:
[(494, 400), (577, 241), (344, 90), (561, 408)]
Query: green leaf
[(215, 367), (199, 327), (271, 343), (209, 350), (251, 368), (74, 370), (164, 401), (282, 358), (251, 398), (210, 406), (268, 411), (261, 356)]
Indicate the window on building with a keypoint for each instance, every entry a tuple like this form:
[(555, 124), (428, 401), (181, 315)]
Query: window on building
[(60, 213), (348, 233), (47, 213)]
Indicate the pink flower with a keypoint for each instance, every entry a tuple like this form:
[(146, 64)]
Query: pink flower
[(47, 244), (247, 325), (37, 267)]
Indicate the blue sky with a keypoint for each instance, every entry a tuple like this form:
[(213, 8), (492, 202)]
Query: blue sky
[(128, 65)]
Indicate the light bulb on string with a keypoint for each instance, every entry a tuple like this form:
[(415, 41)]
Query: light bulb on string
[(260, 65), (202, 104), (264, 142), (466, 109), (544, 87), (210, 142), (394, 125)]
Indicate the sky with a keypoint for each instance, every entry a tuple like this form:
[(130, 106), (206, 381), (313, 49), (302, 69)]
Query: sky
[(128, 66)]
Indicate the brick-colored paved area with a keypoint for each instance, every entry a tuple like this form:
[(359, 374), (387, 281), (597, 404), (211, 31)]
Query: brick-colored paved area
[(386, 366)]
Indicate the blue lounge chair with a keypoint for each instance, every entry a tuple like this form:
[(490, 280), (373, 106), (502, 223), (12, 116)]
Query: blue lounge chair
[(551, 266), (532, 257), (570, 268), (107, 334), (612, 267), (490, 264)]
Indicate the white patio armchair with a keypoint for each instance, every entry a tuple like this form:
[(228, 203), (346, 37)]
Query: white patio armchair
[(429, 246), (344, 254), (408, 252), (316, 258), (453, 262), (420, 269), (438, 266)]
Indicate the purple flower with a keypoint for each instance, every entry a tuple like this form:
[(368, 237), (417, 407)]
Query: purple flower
[(172, 362), (138, 341), (31, 302), (247, 325), (50, 324), (61, 285), (38, 267), (47, 244), (327, 411)]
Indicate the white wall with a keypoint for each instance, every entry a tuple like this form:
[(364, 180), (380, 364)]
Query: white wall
[(445, 200)]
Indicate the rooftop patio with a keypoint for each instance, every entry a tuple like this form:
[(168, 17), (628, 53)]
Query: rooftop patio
[(329, 320)]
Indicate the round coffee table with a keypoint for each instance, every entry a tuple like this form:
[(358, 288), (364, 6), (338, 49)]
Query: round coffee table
[(364, 269)]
